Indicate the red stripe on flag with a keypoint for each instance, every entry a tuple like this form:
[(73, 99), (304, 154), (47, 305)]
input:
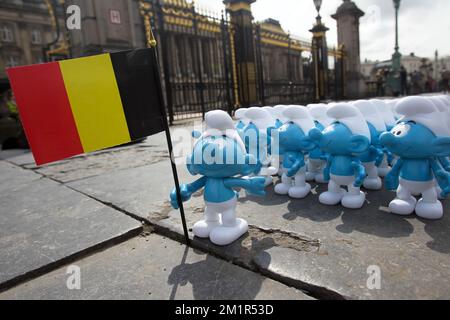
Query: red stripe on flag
[(45, 112)]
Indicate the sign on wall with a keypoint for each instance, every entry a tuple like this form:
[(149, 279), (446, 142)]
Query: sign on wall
[(114, 16)]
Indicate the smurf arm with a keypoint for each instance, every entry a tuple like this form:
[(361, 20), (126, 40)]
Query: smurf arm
[(390, 156), (298, 162), (445, 163), (186, 191), (327, 169), (392, 178), (360, 173), (254, 185), (377, 154), (442, 177)]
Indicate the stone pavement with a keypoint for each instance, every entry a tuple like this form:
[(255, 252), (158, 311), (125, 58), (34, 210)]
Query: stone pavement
[(324, 251)]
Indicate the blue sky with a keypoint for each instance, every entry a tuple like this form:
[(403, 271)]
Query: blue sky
[(424, 24)]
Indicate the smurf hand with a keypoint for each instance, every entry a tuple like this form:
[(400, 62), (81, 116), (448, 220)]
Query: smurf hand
[(326, 174), (390, 157), (256, 186), (443, 179), (185, 195), (391, 181), (379, 158), (360, 174)]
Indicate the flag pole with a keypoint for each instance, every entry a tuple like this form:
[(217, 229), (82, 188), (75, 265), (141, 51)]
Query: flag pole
[(152, 44)]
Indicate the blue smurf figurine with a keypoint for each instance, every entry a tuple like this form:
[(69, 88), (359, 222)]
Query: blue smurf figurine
[(258, 141), (242, 122), (343, 141), (293, 143), (277, 113), (419, 139), (385, 108), (317, 160), (373, 157), (219, 156), (440, 103)]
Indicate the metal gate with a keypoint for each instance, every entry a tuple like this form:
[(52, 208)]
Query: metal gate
[(195, 55), (289, 89)]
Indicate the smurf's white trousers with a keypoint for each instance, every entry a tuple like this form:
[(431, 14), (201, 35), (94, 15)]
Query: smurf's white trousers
[(372, 181), (224, 212), (428, 207), (353, 199), (315, 170), (220, 223), (295, 187)]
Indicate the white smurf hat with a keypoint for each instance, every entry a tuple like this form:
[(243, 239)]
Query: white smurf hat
[(442, 107), (278, 112), (370, 112), (385, 111), (351, 117), (421, 110), (319, 113), (239, 114), (271, 112), (260, 117), (438, 103), (391, 104), (301, 117), (219, 123)]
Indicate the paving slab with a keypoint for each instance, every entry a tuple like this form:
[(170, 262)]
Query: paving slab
[(43, 222), (154, 267), (402, 247)]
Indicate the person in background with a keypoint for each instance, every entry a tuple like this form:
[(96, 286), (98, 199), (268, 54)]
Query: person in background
[(11, 105), (404, 81)]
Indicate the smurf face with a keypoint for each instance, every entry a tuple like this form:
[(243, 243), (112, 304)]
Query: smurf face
[(409, 140), (337, 139), (292, 138), (220, 157)]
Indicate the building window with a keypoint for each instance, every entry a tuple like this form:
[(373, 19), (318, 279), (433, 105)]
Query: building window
[(36, 37), (6, 34), (12, 61)]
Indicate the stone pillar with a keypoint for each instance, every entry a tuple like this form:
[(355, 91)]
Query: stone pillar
[(242, 20), (347, 17), (320, 59)]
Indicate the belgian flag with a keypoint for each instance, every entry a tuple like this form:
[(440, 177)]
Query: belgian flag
[(81, 105)]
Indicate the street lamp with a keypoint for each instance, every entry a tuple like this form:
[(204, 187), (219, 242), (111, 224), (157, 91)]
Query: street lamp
[(393, 80), (318, 4), (397, 8)]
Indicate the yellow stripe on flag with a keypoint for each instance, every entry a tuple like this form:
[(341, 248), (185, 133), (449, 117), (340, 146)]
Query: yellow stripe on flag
[(95, 100)]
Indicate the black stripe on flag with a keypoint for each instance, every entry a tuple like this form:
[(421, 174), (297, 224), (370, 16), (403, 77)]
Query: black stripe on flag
[(135, 72)]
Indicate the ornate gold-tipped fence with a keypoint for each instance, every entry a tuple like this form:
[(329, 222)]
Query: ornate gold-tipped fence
[(200, 64)]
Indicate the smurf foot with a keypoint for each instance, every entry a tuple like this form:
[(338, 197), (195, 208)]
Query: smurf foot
[(373, 181), (429, 207), (231, 229), (429, 210), (384, 168), (333, 196), (267, 173), (203, 228), (404, 204), (354, 199), (301, 189), (283, 187), (319, 178)]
